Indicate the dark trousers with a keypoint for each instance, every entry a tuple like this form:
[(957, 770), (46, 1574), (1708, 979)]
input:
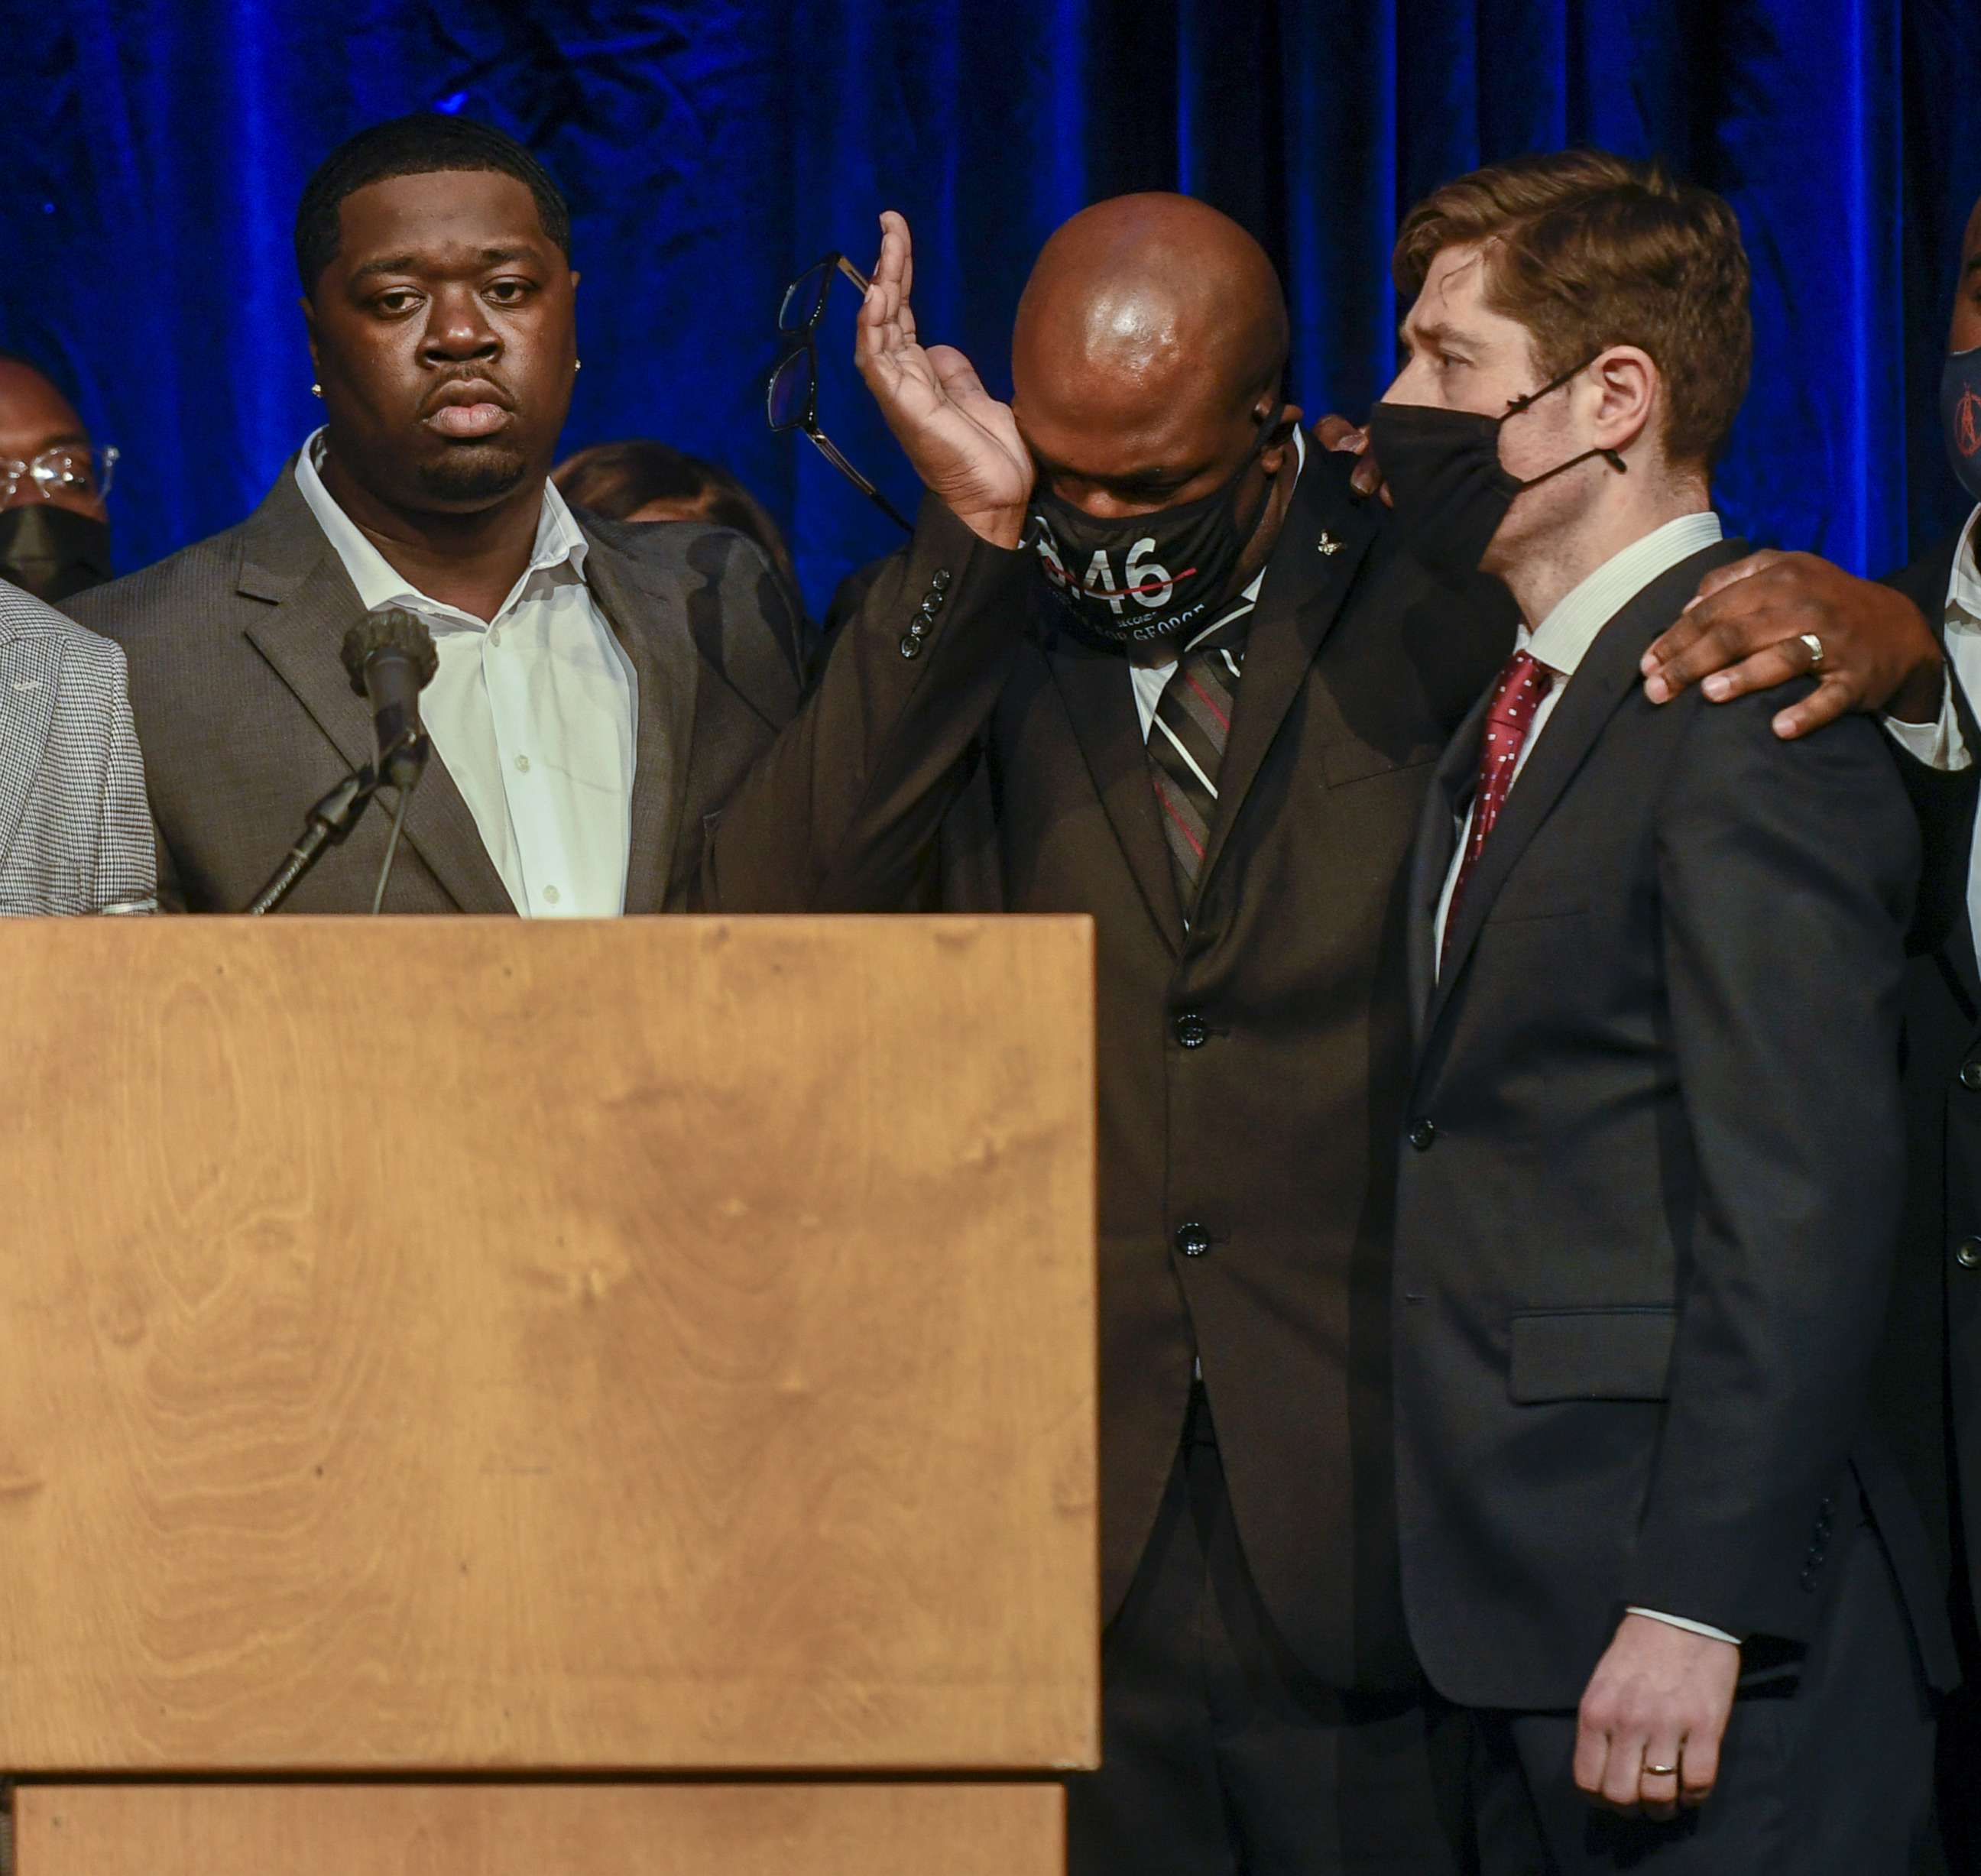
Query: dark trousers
[(1221, 1755), (1825, 1772)]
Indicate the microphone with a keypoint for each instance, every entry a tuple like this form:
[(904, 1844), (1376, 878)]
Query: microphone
[(390, 656)]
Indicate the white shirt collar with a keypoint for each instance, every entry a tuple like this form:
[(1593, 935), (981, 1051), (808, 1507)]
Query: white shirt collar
[(560, 543), (1963, 590), (1562, 639)]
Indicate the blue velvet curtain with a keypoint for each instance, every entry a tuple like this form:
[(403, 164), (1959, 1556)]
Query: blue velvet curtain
[(151, 152)]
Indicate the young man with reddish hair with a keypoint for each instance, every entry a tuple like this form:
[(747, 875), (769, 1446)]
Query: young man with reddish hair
[(1655, 1146)]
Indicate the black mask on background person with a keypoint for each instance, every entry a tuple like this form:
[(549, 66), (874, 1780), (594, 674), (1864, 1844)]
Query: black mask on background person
[(53, 552), (1135, 578), (1960, 416), (1445, 475)]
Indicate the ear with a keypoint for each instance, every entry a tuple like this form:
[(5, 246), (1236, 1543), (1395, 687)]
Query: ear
[(1274, 456), (309, 333), (1627, 386)]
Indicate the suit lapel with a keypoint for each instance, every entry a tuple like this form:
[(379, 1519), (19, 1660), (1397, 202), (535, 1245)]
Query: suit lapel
[(1320, 549), (651, 629), (1609, 673), (1431, 855), (287, 559), (30, 673), (1100, 698)]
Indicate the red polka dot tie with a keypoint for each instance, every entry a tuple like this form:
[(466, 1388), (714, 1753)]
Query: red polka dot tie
[(1509, 721)]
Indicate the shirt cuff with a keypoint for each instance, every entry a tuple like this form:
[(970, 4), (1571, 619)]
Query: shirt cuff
[(1938, 745), (1690, 1626)]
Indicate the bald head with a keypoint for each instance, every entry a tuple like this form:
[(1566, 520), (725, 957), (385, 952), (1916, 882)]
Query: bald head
[(1151, 321)]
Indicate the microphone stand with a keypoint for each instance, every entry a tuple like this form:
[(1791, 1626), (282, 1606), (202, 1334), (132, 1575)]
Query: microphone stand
[(331, 819)]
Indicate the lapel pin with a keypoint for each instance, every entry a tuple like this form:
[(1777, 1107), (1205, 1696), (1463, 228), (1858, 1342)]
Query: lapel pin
[(1328, 544)]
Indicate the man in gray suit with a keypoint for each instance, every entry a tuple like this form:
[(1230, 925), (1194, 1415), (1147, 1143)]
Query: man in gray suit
[(74, 834), (621, 714)]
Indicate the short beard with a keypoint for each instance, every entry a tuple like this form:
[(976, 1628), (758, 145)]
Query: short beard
[(482, 473)]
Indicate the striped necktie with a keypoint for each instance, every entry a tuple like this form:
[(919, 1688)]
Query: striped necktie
[(1187, 739)]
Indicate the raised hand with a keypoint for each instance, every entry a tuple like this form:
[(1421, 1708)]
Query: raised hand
[(964, 443)]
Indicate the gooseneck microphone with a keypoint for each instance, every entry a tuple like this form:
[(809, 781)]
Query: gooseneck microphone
[(389, 657)]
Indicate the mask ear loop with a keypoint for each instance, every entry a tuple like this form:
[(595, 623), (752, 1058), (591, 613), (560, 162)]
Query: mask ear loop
[(1516, 405)]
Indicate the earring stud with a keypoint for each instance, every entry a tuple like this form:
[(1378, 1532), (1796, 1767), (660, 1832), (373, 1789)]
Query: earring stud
[(316, 391)]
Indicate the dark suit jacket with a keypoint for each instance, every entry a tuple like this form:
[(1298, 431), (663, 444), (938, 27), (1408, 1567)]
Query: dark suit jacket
[(1927, 1390), (1656, 1156), (1251, 1069), (742, 800)]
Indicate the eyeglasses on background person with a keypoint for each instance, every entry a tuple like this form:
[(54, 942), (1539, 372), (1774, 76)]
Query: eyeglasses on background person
[(791, 398), (66, 469)]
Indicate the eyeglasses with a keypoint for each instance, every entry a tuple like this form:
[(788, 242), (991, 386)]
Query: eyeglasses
[(791, 400), (62, 470)]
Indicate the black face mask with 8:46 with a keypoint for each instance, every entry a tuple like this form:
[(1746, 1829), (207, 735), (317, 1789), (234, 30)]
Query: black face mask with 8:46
[(1131, 578)]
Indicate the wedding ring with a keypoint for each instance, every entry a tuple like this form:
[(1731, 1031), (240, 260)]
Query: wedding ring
[(1815, 645), (1660, 1771)]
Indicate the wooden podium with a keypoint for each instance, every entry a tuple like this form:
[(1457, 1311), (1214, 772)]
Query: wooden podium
[(482, 1397)]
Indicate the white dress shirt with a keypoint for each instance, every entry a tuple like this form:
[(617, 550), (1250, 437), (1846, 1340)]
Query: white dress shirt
[(1560, 642), (1941, 745), (533, 712)]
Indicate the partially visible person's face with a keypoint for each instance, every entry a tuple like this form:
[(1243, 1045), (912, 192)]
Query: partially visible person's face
[(1459, 355), (1966, 332), (444, 336), (35, 420)]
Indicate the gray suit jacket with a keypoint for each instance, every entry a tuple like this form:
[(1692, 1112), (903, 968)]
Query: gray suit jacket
[(74, 834), (749, 793)]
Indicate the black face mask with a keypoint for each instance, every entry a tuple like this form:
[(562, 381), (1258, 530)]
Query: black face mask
[(1446, 476), (53, 552), (1146, 576)]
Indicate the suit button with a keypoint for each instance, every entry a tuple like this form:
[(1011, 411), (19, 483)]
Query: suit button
[(1421, 1135), (911, 645), (1968, 1256), (1970, 1074), (1192, 1239), (1191, 1031), (1808, 1578)]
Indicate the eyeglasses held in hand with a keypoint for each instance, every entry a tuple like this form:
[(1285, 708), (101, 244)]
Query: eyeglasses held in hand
[(64, 469), (791, 400)]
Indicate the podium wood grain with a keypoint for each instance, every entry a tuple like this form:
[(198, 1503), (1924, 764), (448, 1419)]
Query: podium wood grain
[(738, 1830), (456, 1345)]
